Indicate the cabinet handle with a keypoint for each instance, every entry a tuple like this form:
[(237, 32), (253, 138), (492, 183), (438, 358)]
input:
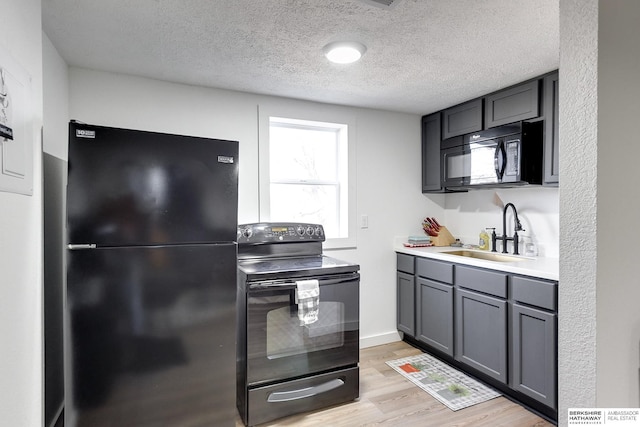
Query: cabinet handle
[(496, 163)]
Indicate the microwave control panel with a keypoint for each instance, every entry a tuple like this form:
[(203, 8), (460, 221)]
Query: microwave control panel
[(513, 155)]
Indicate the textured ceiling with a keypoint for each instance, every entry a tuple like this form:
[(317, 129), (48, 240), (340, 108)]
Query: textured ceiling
[(422, 55)]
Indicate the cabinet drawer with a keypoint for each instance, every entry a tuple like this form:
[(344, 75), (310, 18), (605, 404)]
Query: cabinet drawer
[(489, 282), (405, 263), (535, 292), (436, 270)]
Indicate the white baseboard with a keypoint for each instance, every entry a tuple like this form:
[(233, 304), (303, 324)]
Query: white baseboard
[(374, 340)]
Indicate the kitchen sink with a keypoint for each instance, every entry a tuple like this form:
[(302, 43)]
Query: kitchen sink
[(488, 256)]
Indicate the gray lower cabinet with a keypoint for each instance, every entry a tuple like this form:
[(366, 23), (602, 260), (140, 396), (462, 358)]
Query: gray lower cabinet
[(406, 303), (405, 294), (534, 354), (500, 324), (481, 333), (434, 318), (534, 341)]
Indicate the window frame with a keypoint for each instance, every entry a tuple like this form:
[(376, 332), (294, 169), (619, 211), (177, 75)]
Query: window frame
[(316, 116)]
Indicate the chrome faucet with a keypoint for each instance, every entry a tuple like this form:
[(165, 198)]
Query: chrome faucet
[(517, 226)]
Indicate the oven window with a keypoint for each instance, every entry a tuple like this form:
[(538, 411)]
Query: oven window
[(286, 337)]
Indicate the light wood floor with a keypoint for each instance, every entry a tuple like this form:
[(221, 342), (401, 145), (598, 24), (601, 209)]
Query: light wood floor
[(388, 399)]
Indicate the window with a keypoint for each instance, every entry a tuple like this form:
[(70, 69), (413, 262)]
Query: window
[(305, 176)]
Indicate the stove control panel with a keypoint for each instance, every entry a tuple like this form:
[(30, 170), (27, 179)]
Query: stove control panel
[(279, 232)]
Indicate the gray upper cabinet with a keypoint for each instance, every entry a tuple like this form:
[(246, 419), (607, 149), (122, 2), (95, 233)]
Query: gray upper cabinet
[(512, 105), (462, 119), (535, 100), (431, 137), (551, 141)]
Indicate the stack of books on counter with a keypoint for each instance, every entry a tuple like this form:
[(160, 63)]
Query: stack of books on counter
[(418, 242)]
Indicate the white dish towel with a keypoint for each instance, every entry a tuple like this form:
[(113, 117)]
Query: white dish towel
[(308, 296)]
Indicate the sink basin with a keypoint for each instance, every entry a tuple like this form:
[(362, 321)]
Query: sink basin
[(488, 256)]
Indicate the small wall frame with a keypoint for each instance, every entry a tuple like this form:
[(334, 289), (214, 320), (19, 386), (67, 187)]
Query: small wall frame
[(16, 127)]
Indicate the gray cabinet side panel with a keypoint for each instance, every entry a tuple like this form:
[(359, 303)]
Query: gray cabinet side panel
[(551, 137), (431, 137)]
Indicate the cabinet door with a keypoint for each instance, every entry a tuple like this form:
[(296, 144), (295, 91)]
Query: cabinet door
[(463, 118), (551, 141), (406, 303), (512, 105), (431, 137), (481, 333), (534, 354), (434, 315)]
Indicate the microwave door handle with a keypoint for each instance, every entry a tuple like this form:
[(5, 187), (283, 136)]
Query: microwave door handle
[(500, 166)]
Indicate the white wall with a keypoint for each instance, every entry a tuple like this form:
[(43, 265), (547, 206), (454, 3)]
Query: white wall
[(21, 240), (618, 285), (578, 201), (55, 101), (538, 210), (599, 327), (388, 165)]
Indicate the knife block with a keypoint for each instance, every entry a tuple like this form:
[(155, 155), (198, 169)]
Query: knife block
[(444, 238)]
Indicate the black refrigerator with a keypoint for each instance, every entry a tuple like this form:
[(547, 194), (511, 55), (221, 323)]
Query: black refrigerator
[(150, 325)]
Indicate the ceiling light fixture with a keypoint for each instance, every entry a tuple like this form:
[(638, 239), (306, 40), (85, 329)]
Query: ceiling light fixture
[(344, 52)]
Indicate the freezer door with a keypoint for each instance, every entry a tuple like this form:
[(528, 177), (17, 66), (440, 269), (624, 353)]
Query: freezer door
[(151, 336), (128, 187)]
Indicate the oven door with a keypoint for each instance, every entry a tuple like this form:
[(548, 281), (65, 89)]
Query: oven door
[(279, 347), (475, 163)]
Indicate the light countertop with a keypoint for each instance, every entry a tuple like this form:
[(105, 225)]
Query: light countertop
[(541, 267)]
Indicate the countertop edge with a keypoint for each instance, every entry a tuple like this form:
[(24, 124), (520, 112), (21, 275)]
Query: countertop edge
[(538, 267)]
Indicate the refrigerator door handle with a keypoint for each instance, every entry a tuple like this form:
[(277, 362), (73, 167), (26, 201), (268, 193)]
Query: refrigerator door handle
[(75, 247)]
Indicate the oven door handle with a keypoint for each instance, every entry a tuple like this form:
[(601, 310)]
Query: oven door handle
[(303, 393), (283, 284)]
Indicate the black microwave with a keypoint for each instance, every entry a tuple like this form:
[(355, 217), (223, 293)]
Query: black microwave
[(509, 155)]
